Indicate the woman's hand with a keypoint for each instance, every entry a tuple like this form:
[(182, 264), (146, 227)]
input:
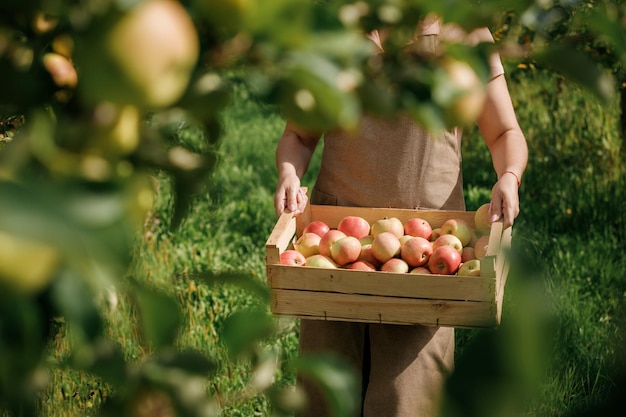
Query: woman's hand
[(505, 199), (290, 196)]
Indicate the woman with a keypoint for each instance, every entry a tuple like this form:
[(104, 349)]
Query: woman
[(394, 162)]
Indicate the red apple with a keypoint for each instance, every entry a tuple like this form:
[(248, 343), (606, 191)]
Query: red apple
[(481, 246), (317, 226), (354, 226), (418, 227), (368, 256), (395, 265), (321, 261), (445, 260), (470, 268), (448, 240), (388, 224), (362, 266), (308, 244), (386, 245), (345, 250), (328, 239), (468, 253), (292, 257), (482, 220), (421, 270), (459, 228), (416, 251)]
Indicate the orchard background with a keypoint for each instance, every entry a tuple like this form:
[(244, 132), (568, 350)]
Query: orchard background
[(136, 183)]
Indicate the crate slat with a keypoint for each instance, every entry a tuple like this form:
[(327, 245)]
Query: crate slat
[(380, 309)]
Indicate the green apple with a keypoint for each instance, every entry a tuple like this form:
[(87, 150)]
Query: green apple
[(470, 268), (459, 228)]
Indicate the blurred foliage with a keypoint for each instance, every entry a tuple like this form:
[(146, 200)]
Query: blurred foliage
[(92, 91)]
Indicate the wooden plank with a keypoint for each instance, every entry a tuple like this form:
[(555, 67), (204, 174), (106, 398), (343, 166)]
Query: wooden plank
[(280, 238), (448, 287), (375, 309), (333, 214)]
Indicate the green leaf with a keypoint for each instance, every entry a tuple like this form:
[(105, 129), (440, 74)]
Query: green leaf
[(104, 358), (75, 301), (190, 361), (578, 67), (335, 378), (255, 287), (243, 330), (160, 317)]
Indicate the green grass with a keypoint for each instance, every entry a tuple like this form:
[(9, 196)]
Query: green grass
[(569, 281)]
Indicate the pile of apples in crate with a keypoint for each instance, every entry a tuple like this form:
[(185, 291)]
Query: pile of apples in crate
[(391, 245)]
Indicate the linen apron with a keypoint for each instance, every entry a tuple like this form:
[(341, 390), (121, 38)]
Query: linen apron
[(388, 163)]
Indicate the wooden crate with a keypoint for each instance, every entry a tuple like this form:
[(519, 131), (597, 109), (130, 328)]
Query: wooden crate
[(384, 297)]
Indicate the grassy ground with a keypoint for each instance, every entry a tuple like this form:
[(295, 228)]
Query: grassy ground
[(570, 276)]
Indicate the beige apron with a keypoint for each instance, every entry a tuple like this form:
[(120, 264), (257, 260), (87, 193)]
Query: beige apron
[(388, 163)]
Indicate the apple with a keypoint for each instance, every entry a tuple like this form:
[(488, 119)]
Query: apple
[(361, 265), (292, 257), (405, 238), (366, 240), (445, 260), (388, 224), (470, 268), (345, 250), (448, 240), (385, 246), (468, 253), (146, 56), (436, 233), (418, 227), (321, 261), (416, 251), (328, 239), (482, 219), (459, 228), (354, 226), (308, 244), (465, 103), (317, 226), (421, 270), (368, 256), (481, 246), (395, 265)]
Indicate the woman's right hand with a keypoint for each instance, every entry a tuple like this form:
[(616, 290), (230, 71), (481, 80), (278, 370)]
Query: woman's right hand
[(290, 196)]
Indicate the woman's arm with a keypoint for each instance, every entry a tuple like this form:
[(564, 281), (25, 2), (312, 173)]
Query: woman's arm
[(293, 155), (507, 145)]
